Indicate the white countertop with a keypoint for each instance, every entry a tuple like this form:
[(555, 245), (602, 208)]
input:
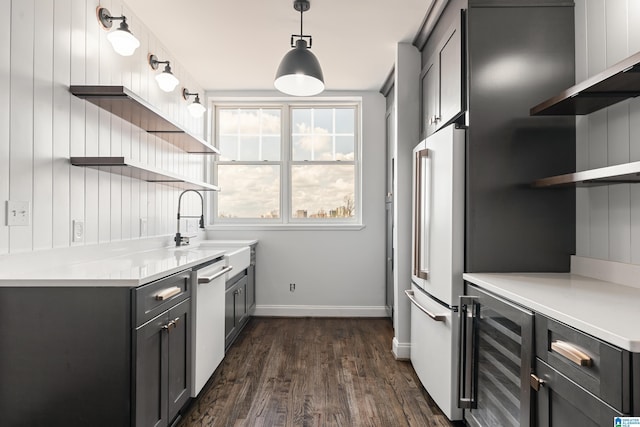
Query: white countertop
[(605, 310), (127, 267)]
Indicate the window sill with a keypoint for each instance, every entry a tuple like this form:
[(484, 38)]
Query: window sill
[(286, 227)]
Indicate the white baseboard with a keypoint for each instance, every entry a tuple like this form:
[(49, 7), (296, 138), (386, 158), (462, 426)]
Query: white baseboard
[(320, 311), (401, 351), (608, 271)]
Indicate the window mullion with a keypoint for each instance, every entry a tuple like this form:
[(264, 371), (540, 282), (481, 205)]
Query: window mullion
[(285, 159)]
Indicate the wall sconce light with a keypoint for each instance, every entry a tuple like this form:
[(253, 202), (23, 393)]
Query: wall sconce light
[(123, 42), (166, 80), (299, 72), (195, 108)]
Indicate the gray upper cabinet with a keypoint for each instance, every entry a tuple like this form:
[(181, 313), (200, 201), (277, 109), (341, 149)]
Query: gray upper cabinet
[(429, 89), (441, 81)]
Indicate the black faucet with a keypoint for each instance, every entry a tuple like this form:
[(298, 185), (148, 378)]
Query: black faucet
[(185, 239)]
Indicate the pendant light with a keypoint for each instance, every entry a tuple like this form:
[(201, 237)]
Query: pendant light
[(166, 80), (196, 109), (299, 73), (122, 40)]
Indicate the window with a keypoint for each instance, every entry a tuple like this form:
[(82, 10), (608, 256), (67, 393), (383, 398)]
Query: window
[(287, 164)]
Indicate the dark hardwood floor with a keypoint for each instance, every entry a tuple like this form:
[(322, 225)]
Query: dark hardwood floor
[(314, 372)]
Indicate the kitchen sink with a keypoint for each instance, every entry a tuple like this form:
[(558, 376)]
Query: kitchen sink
[(236, 252)]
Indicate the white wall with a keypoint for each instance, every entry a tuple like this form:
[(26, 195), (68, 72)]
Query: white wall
[(45, 46), (607, 217), (336, 272)]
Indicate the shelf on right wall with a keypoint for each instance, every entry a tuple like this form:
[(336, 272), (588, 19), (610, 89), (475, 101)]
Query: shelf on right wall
[(615, 84)]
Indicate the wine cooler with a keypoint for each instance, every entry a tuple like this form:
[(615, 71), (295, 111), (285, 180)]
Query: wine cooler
[(496, 355)]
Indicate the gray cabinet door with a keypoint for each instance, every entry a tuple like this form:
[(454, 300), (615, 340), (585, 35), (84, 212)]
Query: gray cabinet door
[(240, 302), (251, 288), (450, 76), (441, 81), (151, 361), (236, 308), (179, 355), (229, 314), (430, 102), (163, 366), (561, 402)]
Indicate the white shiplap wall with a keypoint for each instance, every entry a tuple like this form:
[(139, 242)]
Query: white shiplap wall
[(46, 46), (607, 217)]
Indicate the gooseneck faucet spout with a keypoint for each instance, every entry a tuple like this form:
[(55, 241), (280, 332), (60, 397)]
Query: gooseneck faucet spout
[(179, 239)]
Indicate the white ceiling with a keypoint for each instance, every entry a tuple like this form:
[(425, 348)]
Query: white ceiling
[(238, 45)]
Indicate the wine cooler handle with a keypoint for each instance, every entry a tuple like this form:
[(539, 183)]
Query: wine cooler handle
[(468, 353)]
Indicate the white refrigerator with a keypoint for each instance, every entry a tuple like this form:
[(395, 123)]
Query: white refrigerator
[(437, 264)]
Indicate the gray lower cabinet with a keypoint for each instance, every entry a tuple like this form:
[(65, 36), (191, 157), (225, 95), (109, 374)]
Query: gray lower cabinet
[(94, 356), (566, 378), (240, 300), (562, 402), (163, 348), (236, 309), (580, 379)]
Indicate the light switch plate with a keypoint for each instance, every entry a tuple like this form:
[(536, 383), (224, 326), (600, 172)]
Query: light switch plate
[(18, 213), (78, 230)]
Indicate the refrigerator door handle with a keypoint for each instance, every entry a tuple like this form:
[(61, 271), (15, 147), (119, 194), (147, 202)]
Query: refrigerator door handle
[(419, 238), (436, 317), (469, 310)]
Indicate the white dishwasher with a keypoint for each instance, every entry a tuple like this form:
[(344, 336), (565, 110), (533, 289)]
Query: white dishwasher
[(208, 324)]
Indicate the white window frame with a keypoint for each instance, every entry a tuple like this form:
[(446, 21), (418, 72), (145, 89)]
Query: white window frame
[(286, 163)]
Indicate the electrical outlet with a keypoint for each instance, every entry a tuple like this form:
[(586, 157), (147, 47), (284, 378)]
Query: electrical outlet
[(292, 287), (18, 213), (78, 230), (192, 226), (143, 227)]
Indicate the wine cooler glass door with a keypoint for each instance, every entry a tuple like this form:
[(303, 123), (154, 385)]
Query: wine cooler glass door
[(496, 345)]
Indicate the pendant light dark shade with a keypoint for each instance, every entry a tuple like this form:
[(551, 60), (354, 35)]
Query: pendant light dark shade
[(299, 73)]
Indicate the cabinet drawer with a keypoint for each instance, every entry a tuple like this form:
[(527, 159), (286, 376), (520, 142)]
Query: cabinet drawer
[(155, 297), (596, 366), (561, 402)]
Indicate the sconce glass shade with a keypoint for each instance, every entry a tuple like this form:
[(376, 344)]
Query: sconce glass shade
[(166, 80), (123, 42), (299, 73), (196, 109)]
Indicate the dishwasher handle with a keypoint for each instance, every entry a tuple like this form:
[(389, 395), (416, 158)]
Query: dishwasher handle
[(207, 279)]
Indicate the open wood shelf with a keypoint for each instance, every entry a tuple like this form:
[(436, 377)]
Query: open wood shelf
[(617, 83), (133, 169), (130, 107), (618, 174)]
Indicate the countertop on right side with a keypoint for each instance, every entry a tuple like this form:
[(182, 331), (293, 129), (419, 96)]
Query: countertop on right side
[(605, 310)]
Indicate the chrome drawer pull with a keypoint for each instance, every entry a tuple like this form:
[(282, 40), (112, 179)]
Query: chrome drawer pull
[(436, 317), (571, 353), (207, 279), (165, 294)]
